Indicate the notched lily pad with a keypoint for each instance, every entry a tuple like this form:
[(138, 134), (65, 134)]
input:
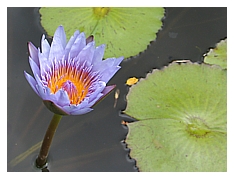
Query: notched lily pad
[(125, 31), (218, 55), (182, 119)]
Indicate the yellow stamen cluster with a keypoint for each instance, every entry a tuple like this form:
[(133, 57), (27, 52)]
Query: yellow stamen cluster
[(80, 80)]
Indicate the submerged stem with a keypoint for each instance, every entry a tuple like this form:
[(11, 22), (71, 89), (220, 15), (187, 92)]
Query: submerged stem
[(45, 147)]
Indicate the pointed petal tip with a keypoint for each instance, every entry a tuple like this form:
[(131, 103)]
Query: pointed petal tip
[(118, 61), (107, 90), (60, 32), (32, 82), (89, 39), (32, 49), (60, 27), (121, 58), (102, 46), (26, 75)]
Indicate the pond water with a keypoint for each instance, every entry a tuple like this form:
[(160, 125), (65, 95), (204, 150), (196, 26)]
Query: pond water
[(94, 141)]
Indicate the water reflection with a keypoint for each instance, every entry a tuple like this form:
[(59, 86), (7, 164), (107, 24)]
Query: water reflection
[(92, 142)]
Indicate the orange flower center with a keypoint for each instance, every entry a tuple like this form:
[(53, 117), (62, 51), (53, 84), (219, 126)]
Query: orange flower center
[(75, 82)]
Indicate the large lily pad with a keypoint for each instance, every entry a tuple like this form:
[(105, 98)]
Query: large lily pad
[(125, 31), (182, 119), (218, 55)]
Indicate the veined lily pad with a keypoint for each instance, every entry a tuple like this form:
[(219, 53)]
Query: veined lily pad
[(218, 55), (125, 31), (182, 119)]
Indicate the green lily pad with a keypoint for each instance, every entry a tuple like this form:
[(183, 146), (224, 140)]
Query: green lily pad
[(218, 55), (125, 31), (182, 119)]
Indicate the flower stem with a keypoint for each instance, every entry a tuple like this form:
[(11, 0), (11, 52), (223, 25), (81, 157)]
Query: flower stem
[(45, 147)]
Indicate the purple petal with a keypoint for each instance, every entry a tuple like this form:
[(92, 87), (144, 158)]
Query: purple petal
[(112, 61), (83, 104), (45, 47), (38, 79), (109, 73), (89, 39), (71, 43), (34, 66), (97, 88), (81, 111), (107, 90), (61, 98), (33, 53), (58, 44), (75, 110), (98, 55), (45, 63), (108, 68), (86, 54), (78, 45), (31, 81), (44, 92)]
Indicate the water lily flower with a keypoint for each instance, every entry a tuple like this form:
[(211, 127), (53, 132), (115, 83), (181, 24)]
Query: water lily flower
[(70, 77)]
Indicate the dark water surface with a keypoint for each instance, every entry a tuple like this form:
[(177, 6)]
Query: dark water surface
[(92, 142)]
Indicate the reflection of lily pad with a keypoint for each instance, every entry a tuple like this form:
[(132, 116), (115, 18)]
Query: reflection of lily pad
[(218, 55), (181, 112), (125, 31)]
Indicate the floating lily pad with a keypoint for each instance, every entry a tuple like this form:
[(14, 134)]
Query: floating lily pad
[(182, 119), (218, 55), (125, 31)]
